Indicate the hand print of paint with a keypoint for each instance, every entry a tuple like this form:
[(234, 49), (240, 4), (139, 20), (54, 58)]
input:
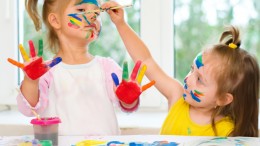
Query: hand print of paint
[(129, 91), (34, 66)]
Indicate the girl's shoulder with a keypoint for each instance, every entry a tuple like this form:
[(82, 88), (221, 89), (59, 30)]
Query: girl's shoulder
[(108, 64)]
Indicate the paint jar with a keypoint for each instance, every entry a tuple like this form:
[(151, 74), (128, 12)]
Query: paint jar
[(46, 129)]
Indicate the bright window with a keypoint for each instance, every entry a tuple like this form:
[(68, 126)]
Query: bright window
[(197, 23)]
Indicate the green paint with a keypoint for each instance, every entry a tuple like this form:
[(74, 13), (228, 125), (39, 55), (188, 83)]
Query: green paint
[(40, 51), (125, 71), (196, 91), (189, 131)]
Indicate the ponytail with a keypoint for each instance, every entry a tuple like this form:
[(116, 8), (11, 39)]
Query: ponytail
[(31, 7), (239, 76)]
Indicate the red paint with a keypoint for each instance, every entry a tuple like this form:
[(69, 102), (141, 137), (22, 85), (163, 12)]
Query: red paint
[(128, 92), (35, 69), (73, 26)]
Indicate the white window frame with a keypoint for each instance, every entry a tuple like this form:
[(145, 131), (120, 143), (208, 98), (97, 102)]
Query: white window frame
[(156, 32), (9, 49)]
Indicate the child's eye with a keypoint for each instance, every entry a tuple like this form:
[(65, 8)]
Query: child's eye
[(199, 80), (97, 14), (81, 10)]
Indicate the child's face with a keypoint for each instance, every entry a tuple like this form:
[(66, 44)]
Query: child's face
[(200, 85), (84, 25)]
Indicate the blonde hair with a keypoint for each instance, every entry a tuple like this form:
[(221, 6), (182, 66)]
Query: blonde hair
[(49, 6), (239, 76)]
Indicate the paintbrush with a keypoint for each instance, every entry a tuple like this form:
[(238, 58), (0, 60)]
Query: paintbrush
[(36, 115), (102, 10)]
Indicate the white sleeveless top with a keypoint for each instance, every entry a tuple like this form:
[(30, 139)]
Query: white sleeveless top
[(79, 96)]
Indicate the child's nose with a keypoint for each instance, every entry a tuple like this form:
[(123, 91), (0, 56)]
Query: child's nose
[(92, 17), (189, 80)]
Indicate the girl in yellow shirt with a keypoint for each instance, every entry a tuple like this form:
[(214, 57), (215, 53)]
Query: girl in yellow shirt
[(220, 93)]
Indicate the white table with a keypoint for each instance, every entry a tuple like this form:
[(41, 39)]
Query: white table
[(182, 140)]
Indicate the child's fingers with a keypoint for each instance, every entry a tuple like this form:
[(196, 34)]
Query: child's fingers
[(135, 70), (148, 85), (32, 49), (18, 64), (23, 53), (141, 74), (125, 71), (55, 61), (40, 51), (115, 79)]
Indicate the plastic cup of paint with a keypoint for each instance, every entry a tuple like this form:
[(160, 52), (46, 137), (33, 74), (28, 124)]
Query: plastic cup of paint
[(46, 129)]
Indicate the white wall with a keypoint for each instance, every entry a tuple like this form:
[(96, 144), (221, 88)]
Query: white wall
[(8, 48)]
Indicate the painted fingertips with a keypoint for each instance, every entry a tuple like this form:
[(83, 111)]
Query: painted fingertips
[(145, 87), (141, 74), (23, 53), (115, 79), (32, 49), (55, 61), (40, 50), (18, 64), (125, 71), (135, 70)]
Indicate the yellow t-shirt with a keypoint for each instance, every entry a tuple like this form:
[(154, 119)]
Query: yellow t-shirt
[(178, 122)]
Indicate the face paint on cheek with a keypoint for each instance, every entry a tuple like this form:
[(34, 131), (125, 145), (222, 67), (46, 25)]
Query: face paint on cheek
[(73, 25), (75, 21), (94, 2), (194, 96), (198, 93), (198, 61)]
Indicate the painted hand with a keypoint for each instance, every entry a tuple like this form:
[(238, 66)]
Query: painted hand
[(34, 66), (129, 90)]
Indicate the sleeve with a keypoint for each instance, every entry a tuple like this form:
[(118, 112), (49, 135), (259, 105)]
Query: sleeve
[(110, 66), (44, 83)]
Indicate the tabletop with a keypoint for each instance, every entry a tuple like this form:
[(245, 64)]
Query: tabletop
[(146, 140)]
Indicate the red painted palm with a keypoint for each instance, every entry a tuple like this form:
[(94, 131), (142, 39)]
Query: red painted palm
[(129, 90), (34, 66)]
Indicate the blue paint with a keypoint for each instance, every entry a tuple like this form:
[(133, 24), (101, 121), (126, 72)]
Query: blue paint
[(198, 61), (89, 2), (185, 86), (114, 142), (86, 19), (55, 61), (115, 79), (75, 16), (194, 97), (184, 96)]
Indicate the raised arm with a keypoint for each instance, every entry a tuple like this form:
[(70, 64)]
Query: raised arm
[(168, 86)]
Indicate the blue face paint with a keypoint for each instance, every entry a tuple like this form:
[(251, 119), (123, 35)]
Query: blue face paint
[(198, 61), (194, 97), (185, 86), (94, 2), (75, 16), (184, 96), (86, 19)]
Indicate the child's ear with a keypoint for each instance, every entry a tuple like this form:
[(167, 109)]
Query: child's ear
[(228, 98), (54, 20)]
